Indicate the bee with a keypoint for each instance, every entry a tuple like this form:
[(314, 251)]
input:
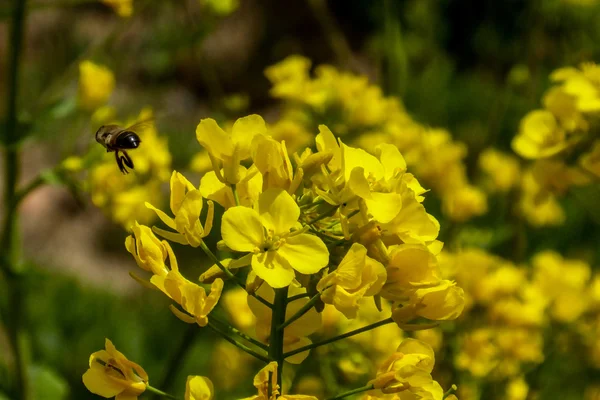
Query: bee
[(118, 139)]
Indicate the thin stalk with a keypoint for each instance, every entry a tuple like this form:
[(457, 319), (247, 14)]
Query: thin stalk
[(354, 391), (276, 337), (231, 276), (159, 392), (238, 344), (305, 308), (241, 334), (9, 244), (236, 196), (340, 337), (297, 297), (326, 214), (176, 361), (31, 186)]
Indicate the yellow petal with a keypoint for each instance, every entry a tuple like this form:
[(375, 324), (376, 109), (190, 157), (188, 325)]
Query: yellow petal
[(306, 253), (97, 382), (162, 215), (198, 388), (214, 139), (278, 210), (384, 206), (274, 270), (244, 130), (242, 229)]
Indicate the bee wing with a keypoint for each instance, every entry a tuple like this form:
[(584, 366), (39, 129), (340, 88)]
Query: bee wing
[(145, 123)]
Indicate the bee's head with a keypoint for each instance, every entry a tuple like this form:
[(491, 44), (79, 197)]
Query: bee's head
[(101, 134)]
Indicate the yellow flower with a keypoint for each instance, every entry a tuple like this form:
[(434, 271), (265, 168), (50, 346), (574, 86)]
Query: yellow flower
[(356, 276), (503, 169), (410, 266), (272, 160), (539, 136), (198, 388), (192, 298), (186, 205), (248, 188), (111, 374), (464, 203), (124, 8), (228, 150), (149, 252), (96, 83), (442, 302), (265, 233), (261, 383), (409, 369)]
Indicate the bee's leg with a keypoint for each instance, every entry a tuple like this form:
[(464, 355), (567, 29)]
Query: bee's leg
[(120, 163), (126, 159)]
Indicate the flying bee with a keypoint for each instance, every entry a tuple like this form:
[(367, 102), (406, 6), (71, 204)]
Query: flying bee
[(118, 139)]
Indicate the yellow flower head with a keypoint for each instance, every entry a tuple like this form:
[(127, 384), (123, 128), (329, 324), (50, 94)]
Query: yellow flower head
[(442, 302), (186, 205), (227, 150), (198, 388), (539, 136), (111, 374), (96, 83), (357, 276), (409, 369), (266, 232), (503, 169), (149, 252)]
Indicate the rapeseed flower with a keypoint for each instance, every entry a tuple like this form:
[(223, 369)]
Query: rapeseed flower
[(96, 84), (186, 205), (271, 234), (198, 388), (111, 374), (268, 377), (357, 276), (409, 369), (227, 150), (123, 8)]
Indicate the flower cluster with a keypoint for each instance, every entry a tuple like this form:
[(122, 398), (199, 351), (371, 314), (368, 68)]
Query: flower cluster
[(561, 140), (362, 114), (337, 227), (510, 311)]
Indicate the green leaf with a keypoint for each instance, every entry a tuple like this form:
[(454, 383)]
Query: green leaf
[(47, 384)]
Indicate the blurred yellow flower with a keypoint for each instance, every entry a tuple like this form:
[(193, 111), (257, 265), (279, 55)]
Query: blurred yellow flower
[(502, 169), (124, 8), (198, 388), (265, 232), (96, 83), (539, 136), (111, 374), (221, 7)]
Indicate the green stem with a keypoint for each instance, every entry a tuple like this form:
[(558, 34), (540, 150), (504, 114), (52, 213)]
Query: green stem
[(326, 214), (340, 337), (301, 311), (159, 392), (240, 334), (31, 186), (9, 244), (297, 297), (354, 391), (176, 361), (236, 196), (276, 337), (238, 344), (231, 276)]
